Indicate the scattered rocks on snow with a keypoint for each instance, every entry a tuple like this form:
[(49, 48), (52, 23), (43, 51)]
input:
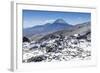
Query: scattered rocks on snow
[(60, 48)]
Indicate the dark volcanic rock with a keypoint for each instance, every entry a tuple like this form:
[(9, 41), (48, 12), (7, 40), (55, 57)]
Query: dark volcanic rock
[(37, 58)]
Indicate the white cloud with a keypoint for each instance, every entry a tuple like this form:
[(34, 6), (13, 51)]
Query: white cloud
[(49, 21)]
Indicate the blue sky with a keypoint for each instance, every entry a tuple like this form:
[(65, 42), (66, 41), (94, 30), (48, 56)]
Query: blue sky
[(33, 17)]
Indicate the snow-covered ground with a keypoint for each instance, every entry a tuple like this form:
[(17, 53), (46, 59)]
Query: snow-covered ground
[(57, 49)]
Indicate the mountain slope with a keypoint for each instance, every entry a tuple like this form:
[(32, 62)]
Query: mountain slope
[(77, 29), (57, 25)]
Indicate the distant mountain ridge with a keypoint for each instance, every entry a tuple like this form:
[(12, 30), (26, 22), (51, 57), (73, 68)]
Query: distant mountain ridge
[(57, 25)]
